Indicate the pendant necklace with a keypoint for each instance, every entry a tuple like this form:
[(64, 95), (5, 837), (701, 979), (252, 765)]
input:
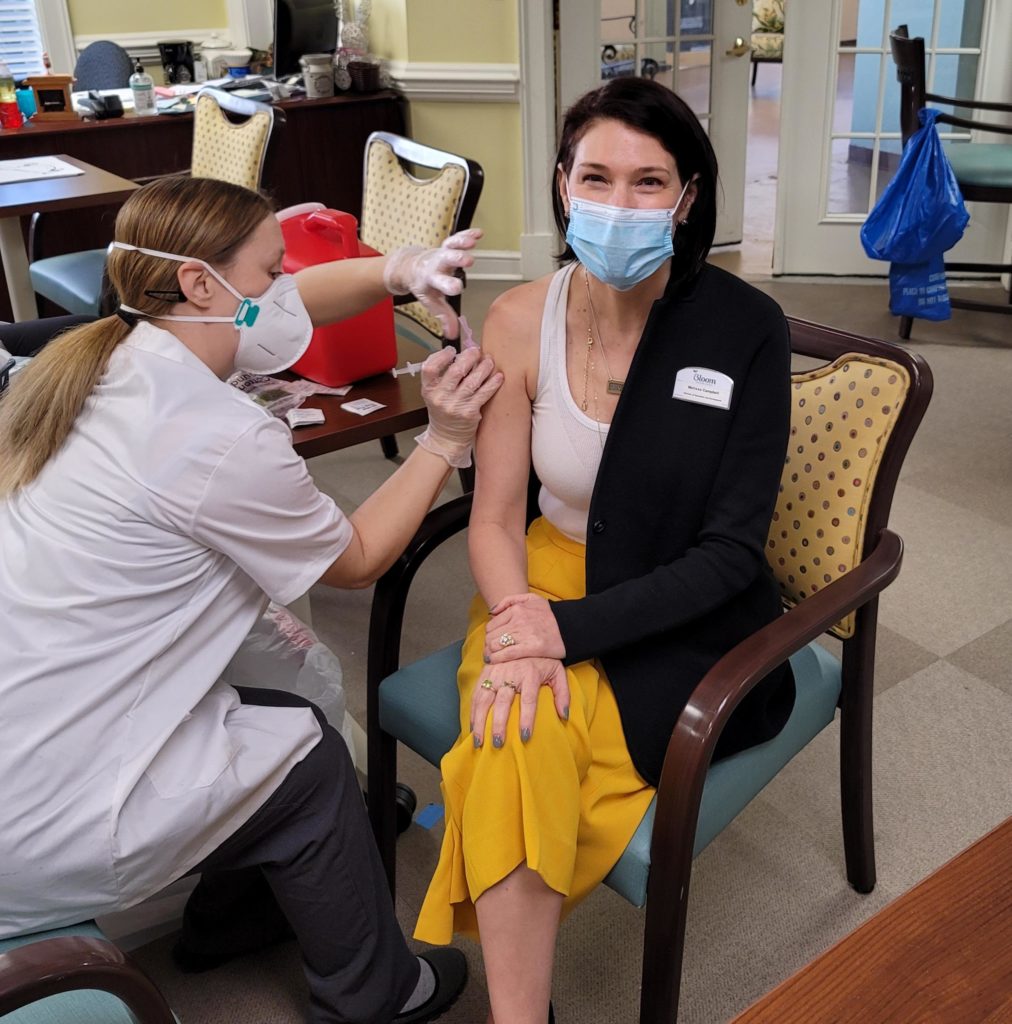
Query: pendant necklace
[(614, 384)]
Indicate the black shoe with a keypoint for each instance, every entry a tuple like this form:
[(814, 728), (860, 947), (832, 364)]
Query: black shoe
[(551, 1013), (450, 969)]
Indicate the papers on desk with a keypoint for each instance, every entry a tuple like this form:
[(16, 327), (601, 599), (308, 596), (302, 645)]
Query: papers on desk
[(36, 168)]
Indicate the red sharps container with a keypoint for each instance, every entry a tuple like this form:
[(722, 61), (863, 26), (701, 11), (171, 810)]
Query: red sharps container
[(351, 349)]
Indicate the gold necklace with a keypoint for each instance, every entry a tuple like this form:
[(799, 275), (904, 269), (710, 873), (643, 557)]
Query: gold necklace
[(614, 384)]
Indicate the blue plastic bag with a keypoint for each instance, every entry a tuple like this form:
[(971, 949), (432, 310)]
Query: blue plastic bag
[(919, 216)]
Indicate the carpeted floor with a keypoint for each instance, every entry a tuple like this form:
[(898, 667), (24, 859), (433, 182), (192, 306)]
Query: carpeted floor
[(770, 892)]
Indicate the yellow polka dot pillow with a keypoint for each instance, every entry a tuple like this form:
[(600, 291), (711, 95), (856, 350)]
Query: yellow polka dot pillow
[(400, 209), (227, 151), (841, 419)]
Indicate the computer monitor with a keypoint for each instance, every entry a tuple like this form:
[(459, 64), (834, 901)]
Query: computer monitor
[(300, 27)]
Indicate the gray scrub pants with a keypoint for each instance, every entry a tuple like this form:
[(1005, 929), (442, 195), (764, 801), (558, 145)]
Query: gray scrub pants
[(307, 859)]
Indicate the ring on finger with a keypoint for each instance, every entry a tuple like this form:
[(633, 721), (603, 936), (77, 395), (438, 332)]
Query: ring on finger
[(506, 640), (486, 684), (512, 686)]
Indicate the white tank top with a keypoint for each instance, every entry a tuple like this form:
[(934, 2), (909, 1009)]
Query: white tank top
[(566, 443)]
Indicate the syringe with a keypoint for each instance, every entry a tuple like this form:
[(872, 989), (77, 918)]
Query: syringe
[(411, 368)]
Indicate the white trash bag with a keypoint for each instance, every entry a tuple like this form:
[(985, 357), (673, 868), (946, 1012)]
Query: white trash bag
[(282, 653)]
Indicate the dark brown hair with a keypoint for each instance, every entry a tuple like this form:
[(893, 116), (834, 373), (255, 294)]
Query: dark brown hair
[(655, 110)]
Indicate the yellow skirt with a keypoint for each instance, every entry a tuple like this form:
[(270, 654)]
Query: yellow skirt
[(566, 803)]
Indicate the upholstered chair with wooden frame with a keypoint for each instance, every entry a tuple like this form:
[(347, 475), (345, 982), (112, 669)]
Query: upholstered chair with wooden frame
[(832, 552), (401, 207), (75, 976), (983, 169), (767, 37), (222, 149)]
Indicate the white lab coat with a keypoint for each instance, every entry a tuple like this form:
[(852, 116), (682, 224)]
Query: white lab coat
[(130, 572)]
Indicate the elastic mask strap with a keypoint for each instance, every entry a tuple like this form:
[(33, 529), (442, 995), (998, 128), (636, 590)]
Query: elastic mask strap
[(177, 259), (245, 315), (185, 319)]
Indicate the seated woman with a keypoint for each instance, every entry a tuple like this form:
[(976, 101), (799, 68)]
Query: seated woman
[(651, 393)]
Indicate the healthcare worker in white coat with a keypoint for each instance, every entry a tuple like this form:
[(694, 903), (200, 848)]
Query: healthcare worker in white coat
[(146, 509)]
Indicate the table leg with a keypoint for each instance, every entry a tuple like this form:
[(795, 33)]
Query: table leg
[(15, 261)]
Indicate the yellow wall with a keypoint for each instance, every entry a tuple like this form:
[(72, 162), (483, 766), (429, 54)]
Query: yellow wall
[(388, 29), (89, 17), (466, 31), (490, 134)]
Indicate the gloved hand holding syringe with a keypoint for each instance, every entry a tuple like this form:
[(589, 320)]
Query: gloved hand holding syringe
[(466, 341)]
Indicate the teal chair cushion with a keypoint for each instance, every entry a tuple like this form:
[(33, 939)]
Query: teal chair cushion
[(420, 706), (73, 281), (83, 1006), (983, 164)]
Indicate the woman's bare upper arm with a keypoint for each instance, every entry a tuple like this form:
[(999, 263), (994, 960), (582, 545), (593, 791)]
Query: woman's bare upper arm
[(511, 336)]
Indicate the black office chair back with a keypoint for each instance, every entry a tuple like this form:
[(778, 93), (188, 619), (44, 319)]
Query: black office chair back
[(102, 65)]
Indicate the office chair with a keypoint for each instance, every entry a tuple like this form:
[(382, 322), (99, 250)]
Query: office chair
[(400, 208), (983, 169), (222, 149), (831, 550), (102, 65)]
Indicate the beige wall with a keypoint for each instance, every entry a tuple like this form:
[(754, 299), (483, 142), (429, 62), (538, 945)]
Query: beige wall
[(490, 134), (464, 32), (92, 17)]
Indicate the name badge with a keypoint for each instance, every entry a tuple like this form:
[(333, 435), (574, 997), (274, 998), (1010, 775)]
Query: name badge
[(707, 387)]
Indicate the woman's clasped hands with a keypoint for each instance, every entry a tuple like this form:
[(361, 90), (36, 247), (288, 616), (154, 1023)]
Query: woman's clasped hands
[(500, 685)]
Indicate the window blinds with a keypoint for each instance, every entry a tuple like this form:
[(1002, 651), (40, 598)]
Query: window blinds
[(20, 39)]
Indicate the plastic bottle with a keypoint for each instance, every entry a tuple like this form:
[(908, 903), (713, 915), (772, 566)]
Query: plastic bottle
[(10, 115), (143, 88)]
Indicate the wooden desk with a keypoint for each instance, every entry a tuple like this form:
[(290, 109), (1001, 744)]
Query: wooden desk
[(941, 953), (93, 188), (315, 156), (404, 409)]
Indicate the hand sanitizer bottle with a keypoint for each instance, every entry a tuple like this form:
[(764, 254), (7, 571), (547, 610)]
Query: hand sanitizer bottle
[(143, 88)]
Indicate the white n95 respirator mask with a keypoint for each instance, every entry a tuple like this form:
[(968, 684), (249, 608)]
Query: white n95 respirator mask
[(274, 328)]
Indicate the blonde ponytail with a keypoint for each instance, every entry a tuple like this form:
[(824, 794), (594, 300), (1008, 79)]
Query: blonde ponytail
[(46, 397), (201, 218)]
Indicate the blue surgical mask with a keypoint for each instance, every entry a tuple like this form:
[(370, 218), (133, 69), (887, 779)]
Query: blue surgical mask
[(619, 245)]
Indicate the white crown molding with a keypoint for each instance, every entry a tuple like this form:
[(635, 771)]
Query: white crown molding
[(462, 83), (496, 265), (145, 44)]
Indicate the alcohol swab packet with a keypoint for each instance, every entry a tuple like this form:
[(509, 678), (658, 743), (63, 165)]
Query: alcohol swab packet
[(362, 406), (304, 417), (466, 335)]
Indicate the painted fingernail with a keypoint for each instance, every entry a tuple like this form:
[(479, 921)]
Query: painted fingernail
[(485, 659), (477, 742), (497, 741), (525, 734), (565, 712)]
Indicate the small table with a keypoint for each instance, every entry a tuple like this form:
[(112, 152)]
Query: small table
[(942, 952), (48, 195), (405, 409)]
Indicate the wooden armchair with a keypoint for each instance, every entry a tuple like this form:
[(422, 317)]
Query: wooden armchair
[(832, 552), (75, 976)]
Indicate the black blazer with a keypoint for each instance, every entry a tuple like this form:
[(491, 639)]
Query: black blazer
[(676, 574)]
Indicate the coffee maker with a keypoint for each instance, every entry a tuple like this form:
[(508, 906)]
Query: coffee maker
[(177, 62)]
